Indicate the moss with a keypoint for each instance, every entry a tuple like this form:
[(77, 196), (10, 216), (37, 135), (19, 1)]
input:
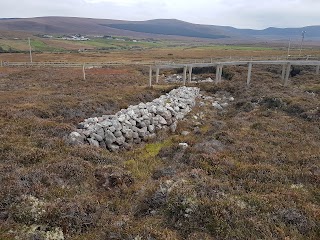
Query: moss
[(153, 149)]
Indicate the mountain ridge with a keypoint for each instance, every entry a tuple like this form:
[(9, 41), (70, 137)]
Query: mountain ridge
[(151, 28)]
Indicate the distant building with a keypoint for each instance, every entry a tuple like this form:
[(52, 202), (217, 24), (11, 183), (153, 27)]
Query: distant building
[(76, 38)]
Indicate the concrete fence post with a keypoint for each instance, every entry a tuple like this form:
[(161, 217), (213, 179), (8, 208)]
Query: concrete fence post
[(318, 69), (157, 75), (287, 74), (184, 75), (1, 64), (220, 73), (190, 74), (249, 73), (84, 71), (217, 73), (150, 76)]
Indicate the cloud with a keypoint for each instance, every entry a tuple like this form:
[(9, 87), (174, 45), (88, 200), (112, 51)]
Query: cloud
[(238, 13), (115, 2)]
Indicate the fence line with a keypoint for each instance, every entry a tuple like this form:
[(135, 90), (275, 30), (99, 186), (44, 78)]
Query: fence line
[(286, 67), (148, 63)]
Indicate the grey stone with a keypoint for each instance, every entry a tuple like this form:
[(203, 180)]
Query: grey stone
[(142, 132), (224, 104), (81, 125), (122, 118), (96, 137), (93, 142), (117, 134), (151, 128), (133, 122), (216, 105), (113, 148), (120, 140), (144, 112), (142, 105), (179, 116), (152, 109), (87, 133), (183, 145), (185, 133), (109, 137), (76, 138), (173, 127), (112, 129), (135, 135), (169, 121), (128, 133), (102, 144), (131, 113), (127, 123), (141, 124), (147, 122), (134, 128), (117, 125), (166, 114), (127, 146), (162, 120), (100, 132), (92, 120)]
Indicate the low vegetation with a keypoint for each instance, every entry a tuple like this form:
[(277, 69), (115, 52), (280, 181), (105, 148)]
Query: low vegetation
[(251, 171)]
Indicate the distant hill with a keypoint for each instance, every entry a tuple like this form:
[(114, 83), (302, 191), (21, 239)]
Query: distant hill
[(161, 28)]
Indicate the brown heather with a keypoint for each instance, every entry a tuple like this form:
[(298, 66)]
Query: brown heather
[(262, 183)]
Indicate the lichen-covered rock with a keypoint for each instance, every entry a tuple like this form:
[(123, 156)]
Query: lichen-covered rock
[(40, 232)]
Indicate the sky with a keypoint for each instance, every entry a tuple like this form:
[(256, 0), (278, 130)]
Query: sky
[(255, 14)]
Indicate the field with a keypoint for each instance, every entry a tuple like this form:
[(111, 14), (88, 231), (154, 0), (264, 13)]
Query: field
[(251, 171), (111, 49)]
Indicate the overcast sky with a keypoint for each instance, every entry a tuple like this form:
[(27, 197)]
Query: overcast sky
[(256, 14)]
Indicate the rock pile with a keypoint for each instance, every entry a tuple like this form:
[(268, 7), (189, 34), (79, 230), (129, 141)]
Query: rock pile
[(136, 123)]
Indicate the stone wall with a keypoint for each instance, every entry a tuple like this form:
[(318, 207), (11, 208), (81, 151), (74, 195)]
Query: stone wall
[(136, 123)]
